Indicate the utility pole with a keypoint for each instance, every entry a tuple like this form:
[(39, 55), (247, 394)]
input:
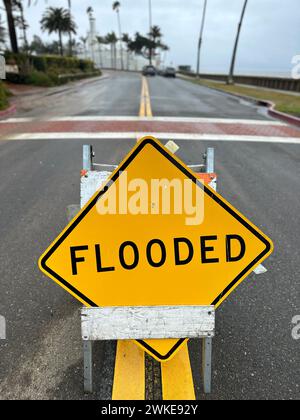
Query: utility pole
[(200, 39), (150, 15), (231, 72)]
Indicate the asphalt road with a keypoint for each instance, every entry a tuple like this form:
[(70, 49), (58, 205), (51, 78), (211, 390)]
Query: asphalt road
[(255, 356), (118, 94)]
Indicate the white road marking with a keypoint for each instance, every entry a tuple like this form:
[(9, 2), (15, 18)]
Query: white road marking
[(16, 120), (148, 119), (162, 136)]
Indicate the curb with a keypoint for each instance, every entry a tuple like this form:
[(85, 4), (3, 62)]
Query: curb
[(289, 119), (272, 112), (11, 110)]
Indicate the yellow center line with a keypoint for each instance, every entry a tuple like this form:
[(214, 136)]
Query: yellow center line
[(145, 106), (142, 105), (177, 377), (129, 377), (148, 100)]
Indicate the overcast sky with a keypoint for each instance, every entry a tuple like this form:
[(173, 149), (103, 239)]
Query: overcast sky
[(269, 39)]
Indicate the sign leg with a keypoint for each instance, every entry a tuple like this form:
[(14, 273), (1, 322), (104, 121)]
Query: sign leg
[(88, 366), (207, 364)]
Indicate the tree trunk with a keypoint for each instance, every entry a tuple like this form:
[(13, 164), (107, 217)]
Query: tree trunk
[(24, 28), (61, 44), (70, 44), (11, 26), (230, 80), (70, 33), (200, 40)]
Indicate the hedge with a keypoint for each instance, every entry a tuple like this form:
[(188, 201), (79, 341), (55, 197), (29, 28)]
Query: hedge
[(48, 70)]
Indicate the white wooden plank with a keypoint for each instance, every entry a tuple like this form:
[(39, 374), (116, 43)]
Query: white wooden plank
[(90, 183), (155, 322)]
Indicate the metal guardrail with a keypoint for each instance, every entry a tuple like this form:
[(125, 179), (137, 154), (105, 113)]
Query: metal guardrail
[(279, 83)]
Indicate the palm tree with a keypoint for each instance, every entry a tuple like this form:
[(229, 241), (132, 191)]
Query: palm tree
[(8, 4), (200, 39), (2, 31), (116, 7), (155, 36), (232, 66), (21, 22), (58, 20), (84, 39), (90, 11), (112, 39)]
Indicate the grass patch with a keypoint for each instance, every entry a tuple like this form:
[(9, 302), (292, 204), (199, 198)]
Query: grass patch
[(290, 104)]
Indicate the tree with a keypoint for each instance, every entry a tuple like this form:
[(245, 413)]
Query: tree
[(37, 45), (2, 32), (232, 66), (146, 46), (8, 4), (84, 39), (116, 7), (90, 11), (21, 22), (60, 21), (155, 35), (112, 39), (70, 32)]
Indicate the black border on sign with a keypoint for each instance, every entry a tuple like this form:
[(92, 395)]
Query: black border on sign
[(209, 192)]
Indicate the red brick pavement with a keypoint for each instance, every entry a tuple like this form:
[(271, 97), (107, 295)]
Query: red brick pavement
[(148, 126)]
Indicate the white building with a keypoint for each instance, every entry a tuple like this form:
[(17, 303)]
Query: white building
[(105, 56)]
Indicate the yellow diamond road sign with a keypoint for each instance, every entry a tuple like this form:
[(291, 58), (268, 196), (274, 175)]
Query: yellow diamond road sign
[(129, 246)]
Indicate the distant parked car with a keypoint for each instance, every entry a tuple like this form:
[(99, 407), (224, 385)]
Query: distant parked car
[(149, 71), (170, 72)]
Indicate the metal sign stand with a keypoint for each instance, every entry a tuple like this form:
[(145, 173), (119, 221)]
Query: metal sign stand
[(141, 323)]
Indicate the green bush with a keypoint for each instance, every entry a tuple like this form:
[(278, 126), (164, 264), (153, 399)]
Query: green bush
[(15, 78), (48, 70), (3, 97), (38, 78), (66, 64), (12, 58), (39, 63)]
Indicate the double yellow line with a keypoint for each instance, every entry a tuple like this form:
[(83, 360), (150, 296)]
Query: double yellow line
[(129, 375), (145, 107)]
